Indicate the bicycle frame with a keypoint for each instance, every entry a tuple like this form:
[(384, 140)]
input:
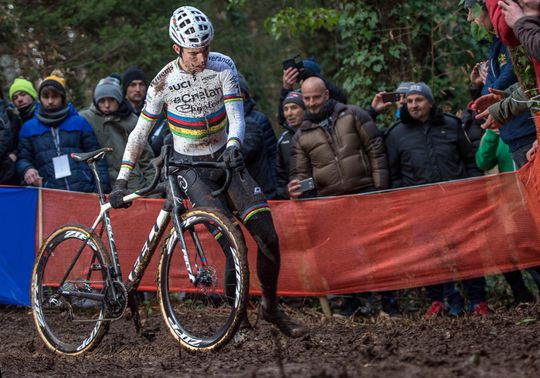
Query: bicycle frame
[(152, 241)]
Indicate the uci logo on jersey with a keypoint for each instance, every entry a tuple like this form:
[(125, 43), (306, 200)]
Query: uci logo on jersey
[(182, 85), (257, 190)]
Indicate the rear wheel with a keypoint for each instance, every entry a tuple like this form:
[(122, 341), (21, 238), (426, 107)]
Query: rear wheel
[(68, 290), (205, 312)]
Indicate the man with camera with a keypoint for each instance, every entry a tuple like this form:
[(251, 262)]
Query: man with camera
[(296, 71), (337, 145), (337, 150)]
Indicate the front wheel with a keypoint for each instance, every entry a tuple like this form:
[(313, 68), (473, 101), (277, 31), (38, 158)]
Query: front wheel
[(68, 289), (203, 312)]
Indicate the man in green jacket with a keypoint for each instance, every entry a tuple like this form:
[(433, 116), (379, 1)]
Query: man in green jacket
[(112, 120)]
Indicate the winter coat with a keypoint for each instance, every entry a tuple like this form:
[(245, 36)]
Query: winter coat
[(256, 158), (519, 130), (9, 135), (345, 157), (113, 131), (283, 159), (514, 105), (424, 153), (37, 150), (494, 152), (527, 30), (507, 36), (270, 140)]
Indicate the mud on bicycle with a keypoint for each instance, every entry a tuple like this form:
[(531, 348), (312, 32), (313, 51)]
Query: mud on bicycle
[(78, 289)]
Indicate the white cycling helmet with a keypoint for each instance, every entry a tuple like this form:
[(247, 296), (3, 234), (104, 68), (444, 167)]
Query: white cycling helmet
[(190, 28)]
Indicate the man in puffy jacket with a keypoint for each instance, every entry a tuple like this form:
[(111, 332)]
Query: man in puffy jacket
[(341, 149), (112, 119), (337, 145), (47, 140)]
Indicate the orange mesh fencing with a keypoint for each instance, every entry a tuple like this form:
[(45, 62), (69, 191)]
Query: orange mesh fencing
[(391, 240)]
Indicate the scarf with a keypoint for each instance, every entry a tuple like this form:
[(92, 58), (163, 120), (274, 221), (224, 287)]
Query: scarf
[(324, 114), (52, 117), (27, 112)]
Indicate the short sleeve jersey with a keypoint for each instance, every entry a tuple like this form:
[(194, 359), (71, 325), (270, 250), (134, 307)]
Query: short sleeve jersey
[(204, 110)]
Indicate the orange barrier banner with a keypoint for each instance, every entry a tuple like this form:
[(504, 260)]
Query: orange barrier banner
[(391, 240)]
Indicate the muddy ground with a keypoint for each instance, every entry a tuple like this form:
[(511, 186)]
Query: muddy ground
[(505, 344)]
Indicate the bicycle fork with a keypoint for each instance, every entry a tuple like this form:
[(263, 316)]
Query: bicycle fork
[(180, 208)]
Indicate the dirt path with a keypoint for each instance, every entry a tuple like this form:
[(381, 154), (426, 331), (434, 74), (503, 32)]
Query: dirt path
[(506, 344)]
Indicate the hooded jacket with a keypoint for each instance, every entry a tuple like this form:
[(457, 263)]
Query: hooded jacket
[(424, 153), (347, 156), (37, 149), (113, 131)]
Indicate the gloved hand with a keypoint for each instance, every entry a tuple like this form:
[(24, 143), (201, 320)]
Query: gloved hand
[(119, 191), (232, 156)]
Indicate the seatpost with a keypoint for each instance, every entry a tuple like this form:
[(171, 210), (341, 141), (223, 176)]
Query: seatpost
[(101, 195)]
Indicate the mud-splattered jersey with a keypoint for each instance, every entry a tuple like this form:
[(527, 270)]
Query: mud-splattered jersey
[(204, 110)]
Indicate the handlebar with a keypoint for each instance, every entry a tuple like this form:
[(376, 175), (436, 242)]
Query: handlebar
[(163, 157), (206, 164)]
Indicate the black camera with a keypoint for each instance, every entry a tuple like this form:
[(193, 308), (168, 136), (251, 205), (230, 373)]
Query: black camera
[(293, 63)]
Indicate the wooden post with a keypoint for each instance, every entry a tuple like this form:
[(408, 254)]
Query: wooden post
[(325, 307)]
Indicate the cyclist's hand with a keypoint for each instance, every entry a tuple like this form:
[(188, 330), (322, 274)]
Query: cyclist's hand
[(117, 194), (233, 158)]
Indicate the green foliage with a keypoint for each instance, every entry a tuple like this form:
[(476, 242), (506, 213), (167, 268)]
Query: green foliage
[(365, 46), (369, 46)]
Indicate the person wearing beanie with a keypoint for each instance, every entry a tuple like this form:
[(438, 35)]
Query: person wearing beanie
[(293, 110), (134, 87), (24, 96), (259, 147), (112, 120), (47, 140), (378, 105), (9, 135), (293, 76), (425, 147)]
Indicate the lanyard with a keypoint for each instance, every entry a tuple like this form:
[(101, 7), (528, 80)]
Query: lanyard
[(56, 138)]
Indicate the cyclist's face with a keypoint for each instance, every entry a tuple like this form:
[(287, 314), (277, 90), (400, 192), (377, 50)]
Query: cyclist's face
[(294, 114), (193, 60)]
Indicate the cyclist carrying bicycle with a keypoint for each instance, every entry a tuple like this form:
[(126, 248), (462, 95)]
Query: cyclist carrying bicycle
[(201, 95)]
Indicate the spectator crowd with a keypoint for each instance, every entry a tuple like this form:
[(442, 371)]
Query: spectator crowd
[(327, 146)]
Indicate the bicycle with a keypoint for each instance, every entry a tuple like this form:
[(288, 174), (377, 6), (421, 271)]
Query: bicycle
[(77, 287)]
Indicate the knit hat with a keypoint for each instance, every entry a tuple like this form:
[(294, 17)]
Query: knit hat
[(132, 73), (404, 86), (311, 65), (295, 97), (55, 80), (108, 87), (468, 4), (421, 89), (22, 85)]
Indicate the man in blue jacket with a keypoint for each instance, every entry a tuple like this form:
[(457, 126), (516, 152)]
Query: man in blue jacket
[(48, 139)]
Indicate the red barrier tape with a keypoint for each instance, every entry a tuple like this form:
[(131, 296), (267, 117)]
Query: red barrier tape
[(393, 240)]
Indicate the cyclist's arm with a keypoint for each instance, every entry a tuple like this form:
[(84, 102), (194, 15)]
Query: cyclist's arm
[(138, 138), (234, 106)]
